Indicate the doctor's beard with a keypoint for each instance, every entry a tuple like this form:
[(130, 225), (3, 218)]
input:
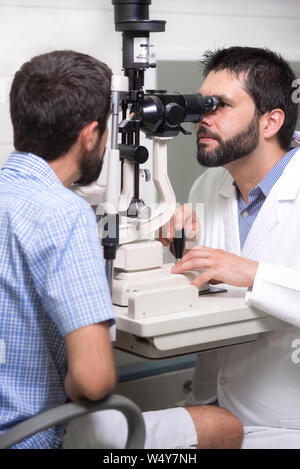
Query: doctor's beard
[(91, 165), (229, 150)]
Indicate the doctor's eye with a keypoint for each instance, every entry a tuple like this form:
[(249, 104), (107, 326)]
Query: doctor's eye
[(223, 104)]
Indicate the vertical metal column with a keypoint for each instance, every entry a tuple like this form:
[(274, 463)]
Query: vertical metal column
[(110, 241)]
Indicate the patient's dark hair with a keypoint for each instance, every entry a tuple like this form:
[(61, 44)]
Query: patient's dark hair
[(53, 96), (268, 80)]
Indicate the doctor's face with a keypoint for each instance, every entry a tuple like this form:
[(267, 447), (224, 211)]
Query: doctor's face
[(231, 132)]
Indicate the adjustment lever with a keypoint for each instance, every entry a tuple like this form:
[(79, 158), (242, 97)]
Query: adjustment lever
[(185, 132), (178, 244)]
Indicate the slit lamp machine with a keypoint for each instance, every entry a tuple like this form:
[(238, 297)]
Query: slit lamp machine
[(159, 314)]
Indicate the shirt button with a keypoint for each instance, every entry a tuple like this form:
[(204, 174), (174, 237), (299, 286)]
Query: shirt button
[(245, 214)]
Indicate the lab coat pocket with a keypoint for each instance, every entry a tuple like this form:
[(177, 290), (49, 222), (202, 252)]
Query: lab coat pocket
[(291, 423)]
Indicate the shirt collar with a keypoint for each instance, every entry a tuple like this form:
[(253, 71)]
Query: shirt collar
[(33, 167)]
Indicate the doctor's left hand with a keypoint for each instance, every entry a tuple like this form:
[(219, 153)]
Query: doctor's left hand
[(220, 267), (184, 217)]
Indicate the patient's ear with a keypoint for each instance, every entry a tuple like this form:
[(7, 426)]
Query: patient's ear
[(88, 135)]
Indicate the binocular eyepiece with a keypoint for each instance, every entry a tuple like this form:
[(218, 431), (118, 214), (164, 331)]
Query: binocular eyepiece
[(162, 114)]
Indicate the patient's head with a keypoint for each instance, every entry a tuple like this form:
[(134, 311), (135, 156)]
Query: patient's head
[(53, 97)]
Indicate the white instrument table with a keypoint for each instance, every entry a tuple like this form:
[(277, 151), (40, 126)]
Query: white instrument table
[(222, 319)]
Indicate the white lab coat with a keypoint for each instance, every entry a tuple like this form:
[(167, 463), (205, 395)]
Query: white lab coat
[(259, 381)]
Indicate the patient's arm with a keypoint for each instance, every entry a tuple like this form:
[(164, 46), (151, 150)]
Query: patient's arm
[(91, 368)]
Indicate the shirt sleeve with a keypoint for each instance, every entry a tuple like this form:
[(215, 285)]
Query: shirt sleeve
[(68, 270)]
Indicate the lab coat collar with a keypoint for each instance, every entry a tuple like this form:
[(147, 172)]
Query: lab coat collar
[(227, 188), (289, 183), (269, 216), (287, 186)]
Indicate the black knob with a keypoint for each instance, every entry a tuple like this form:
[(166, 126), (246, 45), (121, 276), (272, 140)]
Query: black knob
[(174, 114), (136, 154)]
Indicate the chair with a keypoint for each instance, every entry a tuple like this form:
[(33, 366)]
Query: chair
[(67, 412)]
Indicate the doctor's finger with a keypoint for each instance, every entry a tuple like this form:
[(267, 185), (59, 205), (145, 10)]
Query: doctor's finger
[(195, 253), (202, 251), (185, 217), (191, 221), (167, 230), (161, 237), (179, 220), (204, 277), (207, 249), (193, 264), (215, 282), (170, 234)]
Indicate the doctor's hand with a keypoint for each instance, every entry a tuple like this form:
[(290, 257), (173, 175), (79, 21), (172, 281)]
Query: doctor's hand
[(220, 267), (184, 217)]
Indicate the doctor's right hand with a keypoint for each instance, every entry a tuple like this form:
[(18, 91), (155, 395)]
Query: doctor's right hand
[(184, 218), (218, 266)]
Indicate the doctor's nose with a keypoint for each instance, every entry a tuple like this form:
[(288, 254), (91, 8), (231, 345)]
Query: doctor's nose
[(207, 121)]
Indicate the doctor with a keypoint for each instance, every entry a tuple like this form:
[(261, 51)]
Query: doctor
[(250, 236)]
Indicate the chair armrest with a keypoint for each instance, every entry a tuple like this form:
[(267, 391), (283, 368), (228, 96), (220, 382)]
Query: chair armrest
[(67, 412)]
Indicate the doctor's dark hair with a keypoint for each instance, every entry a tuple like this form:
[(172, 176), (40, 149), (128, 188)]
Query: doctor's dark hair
[(268, 80), (53, 96)]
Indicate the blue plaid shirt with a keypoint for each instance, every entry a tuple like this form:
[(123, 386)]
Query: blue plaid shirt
[(52, 281), (257, 196)]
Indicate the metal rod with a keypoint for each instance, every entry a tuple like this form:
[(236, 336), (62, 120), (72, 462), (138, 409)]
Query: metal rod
[(115, 120), (109, 272)]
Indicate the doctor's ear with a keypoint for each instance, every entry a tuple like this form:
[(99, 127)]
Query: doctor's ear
[(88, 135), (272, 121)]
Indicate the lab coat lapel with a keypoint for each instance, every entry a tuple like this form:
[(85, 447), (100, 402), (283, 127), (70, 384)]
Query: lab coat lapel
[(231, 226), (266, 220), (269, 216)]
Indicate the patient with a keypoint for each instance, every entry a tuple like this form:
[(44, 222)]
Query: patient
[(56, 309)]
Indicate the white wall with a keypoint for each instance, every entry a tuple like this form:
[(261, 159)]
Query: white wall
[(30, 27), (195, 25)]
